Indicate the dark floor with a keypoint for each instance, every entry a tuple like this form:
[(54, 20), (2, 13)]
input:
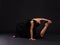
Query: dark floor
[(6, 39)]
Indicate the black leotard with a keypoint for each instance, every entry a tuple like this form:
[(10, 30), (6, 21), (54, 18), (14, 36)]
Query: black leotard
[(23, 29)]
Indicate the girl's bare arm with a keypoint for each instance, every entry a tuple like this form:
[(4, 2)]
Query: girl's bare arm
[(31, 29)]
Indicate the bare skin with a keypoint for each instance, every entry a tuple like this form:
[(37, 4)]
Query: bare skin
[(38, 20)]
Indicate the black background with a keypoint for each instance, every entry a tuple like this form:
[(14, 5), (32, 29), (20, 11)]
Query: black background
[(16, 11), (7, 16)]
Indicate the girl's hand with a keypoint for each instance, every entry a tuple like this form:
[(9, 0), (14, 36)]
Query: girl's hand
[(32, 39)]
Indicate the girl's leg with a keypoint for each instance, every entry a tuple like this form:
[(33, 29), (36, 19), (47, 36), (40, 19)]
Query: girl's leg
[(44, 30)]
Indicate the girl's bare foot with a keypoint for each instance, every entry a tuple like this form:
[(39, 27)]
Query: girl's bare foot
[(13, 36)]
